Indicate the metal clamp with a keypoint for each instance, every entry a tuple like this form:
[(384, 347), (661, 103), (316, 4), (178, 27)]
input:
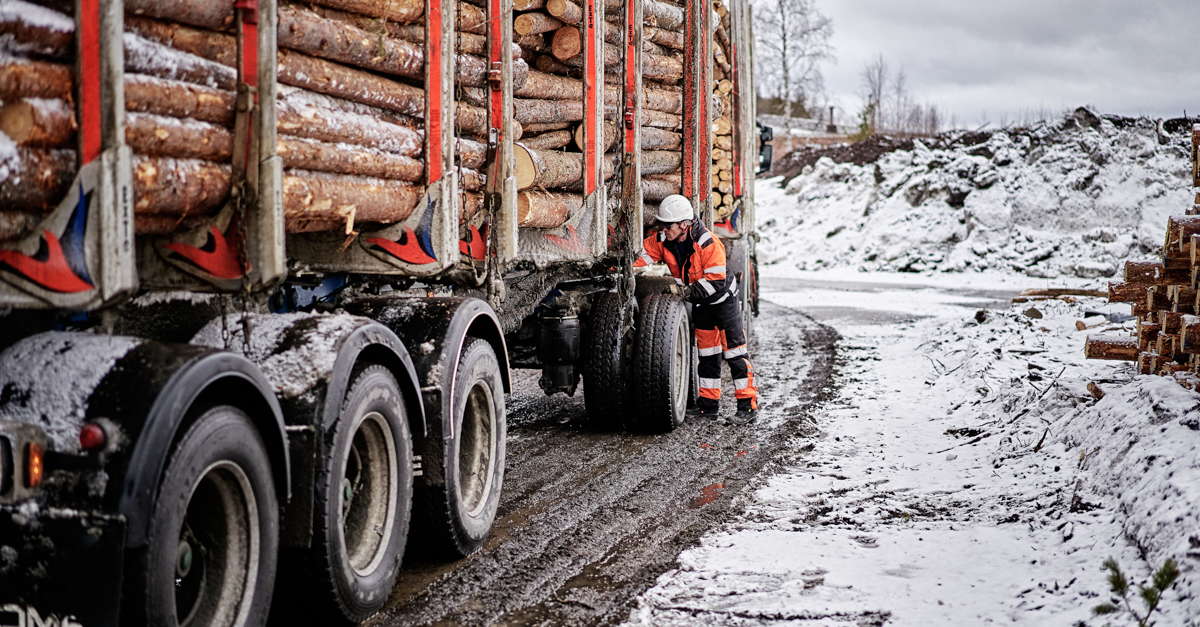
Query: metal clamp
[(496, 76)]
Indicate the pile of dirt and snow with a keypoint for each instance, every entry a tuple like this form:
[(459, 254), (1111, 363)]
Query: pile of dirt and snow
[(965, 475), (1074, 197)]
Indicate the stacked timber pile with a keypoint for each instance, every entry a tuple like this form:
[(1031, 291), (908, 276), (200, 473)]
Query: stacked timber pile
[(1165, 300), (662, 102), (722, 127), (37, 114)]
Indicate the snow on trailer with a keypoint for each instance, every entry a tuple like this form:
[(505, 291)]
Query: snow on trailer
[(201, 183)]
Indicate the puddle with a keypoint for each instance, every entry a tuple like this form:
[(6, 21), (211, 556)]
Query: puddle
[(708, 494)]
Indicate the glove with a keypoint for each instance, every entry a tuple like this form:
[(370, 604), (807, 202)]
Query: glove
[(686, 292)]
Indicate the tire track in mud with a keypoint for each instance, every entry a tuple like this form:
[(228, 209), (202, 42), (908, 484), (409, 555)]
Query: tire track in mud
[(589, 520)]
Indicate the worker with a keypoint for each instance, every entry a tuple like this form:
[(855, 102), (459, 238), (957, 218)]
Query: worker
[(697, 261)]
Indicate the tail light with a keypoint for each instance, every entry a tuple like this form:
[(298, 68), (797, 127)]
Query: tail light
[(92, 437), (35, 464)]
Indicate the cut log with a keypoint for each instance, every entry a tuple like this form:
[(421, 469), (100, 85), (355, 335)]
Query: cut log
[(322, 196), (718, 154), (662, 37), (547, 169), (571, 13), (659, 119), (549, 126), (179, 187), (661, 68), (349, 128), (143, 56), (202, 13), (466, 43), (662, 100), (337, 80), (472, 154), (660, 161), (527, 111), (528, 5), (546, 210), (660, 139), (36, 178), (161, 136), (1120, 292), (550, 65), (38, 122), (654, 190), (32, 29), (536, 22), (1147, 335), (147, 94), (551, 140), (545, 86), (303, 98), (722, 126), (217, 47), (15, 225), (725, 86), (146, 224), (725, 187), (725, 175), (669, 177), (566, 43), (471, 180), (307, 154), (1115, 347), (24, 78), (402, 11), (663, 15), (724, 142)]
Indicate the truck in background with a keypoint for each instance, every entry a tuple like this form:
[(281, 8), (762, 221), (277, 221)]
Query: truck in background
[(265, 268)]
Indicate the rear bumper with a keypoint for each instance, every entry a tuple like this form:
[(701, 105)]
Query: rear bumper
[(59, 564)]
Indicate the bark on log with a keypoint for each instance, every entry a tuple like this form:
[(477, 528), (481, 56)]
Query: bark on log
[(654, 190), (660, 139), (472, 203), (661, 68), (662, 100), (466, 43), (15, 225), (662, 37), (307, 154), (660, 161), (472, 154), (528, 5), (551, 140), (147, 94), (659, 119), (571, 13), (546, 210), (1115, 347), (471, 180), (549, 126), (37, 178), (527, 111), (663, 15), (533, 23), (38, 122), (669, 177), (1120, 292), (402, 11), (25, 78), (32, 29), (304, 99), (1147, 335), (348, 128), (473, 120), (217, 47), (179, 187), (205, 14), (323, 196), (340, 81), (160, 136), (143, 56), (545, 86), (550, 65)]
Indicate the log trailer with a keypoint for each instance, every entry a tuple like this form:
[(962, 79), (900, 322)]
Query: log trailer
[(265, 267)]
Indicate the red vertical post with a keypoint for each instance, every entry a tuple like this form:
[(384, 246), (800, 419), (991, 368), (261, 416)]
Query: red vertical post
[(90, 143), (592, 82), (691, 56), (433, 91)]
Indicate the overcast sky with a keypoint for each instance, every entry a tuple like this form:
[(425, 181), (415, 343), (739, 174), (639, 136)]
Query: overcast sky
[(1004, 56)]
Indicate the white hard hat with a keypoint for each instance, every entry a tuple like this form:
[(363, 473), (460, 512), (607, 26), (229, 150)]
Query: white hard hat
[(674, 208)]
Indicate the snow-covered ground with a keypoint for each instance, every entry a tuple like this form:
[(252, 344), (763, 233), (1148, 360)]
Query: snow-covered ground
[(964, 474)]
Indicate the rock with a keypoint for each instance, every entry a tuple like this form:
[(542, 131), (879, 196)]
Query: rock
[(1032, 312)]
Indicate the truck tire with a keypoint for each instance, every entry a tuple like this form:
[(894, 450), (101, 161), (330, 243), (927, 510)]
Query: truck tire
[(214, 530), (662, 364), (694, 378), (363, 499), (608, 361), (456, 516), (750, 296)]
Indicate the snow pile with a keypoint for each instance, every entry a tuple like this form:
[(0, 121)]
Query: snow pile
[(965, 475), (1074, 197)]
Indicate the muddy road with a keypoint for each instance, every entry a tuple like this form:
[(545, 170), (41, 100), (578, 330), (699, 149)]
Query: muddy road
[(589, 519)]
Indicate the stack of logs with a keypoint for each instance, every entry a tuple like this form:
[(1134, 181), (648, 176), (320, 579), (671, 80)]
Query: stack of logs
[(37, 114), (549, 157), (722, 128), (350, 108), (1165, 300)]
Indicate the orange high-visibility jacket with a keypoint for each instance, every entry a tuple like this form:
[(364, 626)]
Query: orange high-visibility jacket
[(698, 261)]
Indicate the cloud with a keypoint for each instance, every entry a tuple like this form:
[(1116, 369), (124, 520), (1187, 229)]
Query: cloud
[(1122, 57)]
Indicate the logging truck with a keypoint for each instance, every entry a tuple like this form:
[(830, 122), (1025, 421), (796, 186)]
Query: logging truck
[(265, 268)]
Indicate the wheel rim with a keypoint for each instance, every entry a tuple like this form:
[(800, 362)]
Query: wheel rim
[(680, 370), (367, 496), (216, 565), (476, 449)]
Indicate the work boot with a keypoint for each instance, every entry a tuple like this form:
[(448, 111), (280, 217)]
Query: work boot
[(743, 417), (698, 411)]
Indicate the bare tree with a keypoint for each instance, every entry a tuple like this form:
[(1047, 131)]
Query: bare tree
[(874, 79), (889, 107), (792, 39)]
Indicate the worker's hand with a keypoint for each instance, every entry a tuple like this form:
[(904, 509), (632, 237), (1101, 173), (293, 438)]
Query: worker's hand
[(686, 292)]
